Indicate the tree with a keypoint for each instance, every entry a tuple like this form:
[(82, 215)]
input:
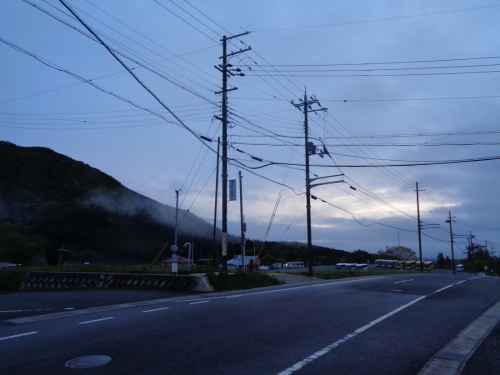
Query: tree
[(440, 263), (398, 253), (358, 256)]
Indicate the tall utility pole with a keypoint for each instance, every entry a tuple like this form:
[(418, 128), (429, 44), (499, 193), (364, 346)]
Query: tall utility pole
[(419, 232), (451, 241), (243, 225), (310, 150), (214, 254), (224, 69)]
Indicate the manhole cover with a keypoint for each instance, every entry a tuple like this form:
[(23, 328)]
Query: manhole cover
[(88, 361)]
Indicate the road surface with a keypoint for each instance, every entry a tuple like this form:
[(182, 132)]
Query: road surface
[(378, 325)]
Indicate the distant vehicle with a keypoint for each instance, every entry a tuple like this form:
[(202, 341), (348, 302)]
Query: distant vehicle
[(340, 266), (400, 264), (361, 266), (294, 264), (418, 265), (389, 263), (410, 264), (9, 265), (349, 266), (378, 262), (460, 268), (429, 265)]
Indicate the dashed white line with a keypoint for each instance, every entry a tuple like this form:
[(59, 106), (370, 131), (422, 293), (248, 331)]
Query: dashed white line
[(161, 308), (332, 346), (20, 335), (195, 303), (97, 320), (236, 296), (404, 281)]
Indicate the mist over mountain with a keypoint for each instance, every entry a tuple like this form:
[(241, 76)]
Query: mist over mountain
[(46, 196)]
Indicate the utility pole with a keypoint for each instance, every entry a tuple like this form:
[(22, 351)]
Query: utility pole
[(451, 241), (214, 253), (310, 150), (224, 69), (419, 231), (471, 252), (243, 225), (174, 246)]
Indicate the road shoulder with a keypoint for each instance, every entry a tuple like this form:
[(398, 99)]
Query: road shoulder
[(453, 357)]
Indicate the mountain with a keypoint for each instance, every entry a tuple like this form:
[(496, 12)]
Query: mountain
[(49, 199)]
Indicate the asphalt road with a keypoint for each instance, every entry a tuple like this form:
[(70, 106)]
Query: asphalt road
[(20, 304), (378, 325)]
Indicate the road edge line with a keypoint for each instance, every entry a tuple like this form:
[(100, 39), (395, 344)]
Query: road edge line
[(452, 358)]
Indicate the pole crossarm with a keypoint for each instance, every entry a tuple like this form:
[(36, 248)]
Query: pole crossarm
[(319, 178), (326, 183)]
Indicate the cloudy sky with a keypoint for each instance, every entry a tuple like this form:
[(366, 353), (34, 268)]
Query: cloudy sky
[(409, 87)]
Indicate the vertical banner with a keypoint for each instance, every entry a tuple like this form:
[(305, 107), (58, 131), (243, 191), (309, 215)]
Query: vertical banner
[(224, 244), (232, 190)]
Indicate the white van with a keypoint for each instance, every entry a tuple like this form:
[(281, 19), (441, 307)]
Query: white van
[(460, 268)]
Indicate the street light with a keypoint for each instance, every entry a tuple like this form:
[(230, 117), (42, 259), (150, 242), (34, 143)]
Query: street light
[(309, 195)]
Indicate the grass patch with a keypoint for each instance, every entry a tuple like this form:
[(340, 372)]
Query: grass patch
[(241, 280), (343, 274), (10, 278)]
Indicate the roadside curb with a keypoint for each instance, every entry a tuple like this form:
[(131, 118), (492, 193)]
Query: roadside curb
[(453, 357), (92, 310)]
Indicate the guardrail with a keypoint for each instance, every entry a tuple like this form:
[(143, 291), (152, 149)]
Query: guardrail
[(38, 280)]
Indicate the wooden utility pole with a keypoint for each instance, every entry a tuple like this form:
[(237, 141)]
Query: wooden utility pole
[(224, 69)]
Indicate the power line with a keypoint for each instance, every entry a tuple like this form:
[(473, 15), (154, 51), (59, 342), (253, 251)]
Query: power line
[(378, 20)]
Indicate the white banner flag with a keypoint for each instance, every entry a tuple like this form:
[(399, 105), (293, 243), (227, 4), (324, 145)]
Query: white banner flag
[(232, 190)]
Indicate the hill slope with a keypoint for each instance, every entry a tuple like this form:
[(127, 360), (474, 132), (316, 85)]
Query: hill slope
[(68, 203)]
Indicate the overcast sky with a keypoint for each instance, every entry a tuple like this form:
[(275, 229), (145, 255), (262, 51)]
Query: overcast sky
[(413, 82)]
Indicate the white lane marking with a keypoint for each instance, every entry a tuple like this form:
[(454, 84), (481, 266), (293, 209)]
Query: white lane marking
[(195, 303), (161, 308), (291, 288), (97, 320), (20, 335), (330, 347), (11, 311), (404, 281), (239, 295)]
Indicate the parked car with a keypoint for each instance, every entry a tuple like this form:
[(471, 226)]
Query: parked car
[(361, 266), (340, 266), (460, 268)]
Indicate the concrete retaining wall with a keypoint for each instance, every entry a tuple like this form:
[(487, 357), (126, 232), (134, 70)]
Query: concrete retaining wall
[(98, 280)]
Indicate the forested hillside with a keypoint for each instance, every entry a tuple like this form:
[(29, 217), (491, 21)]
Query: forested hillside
[(48, 200)]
